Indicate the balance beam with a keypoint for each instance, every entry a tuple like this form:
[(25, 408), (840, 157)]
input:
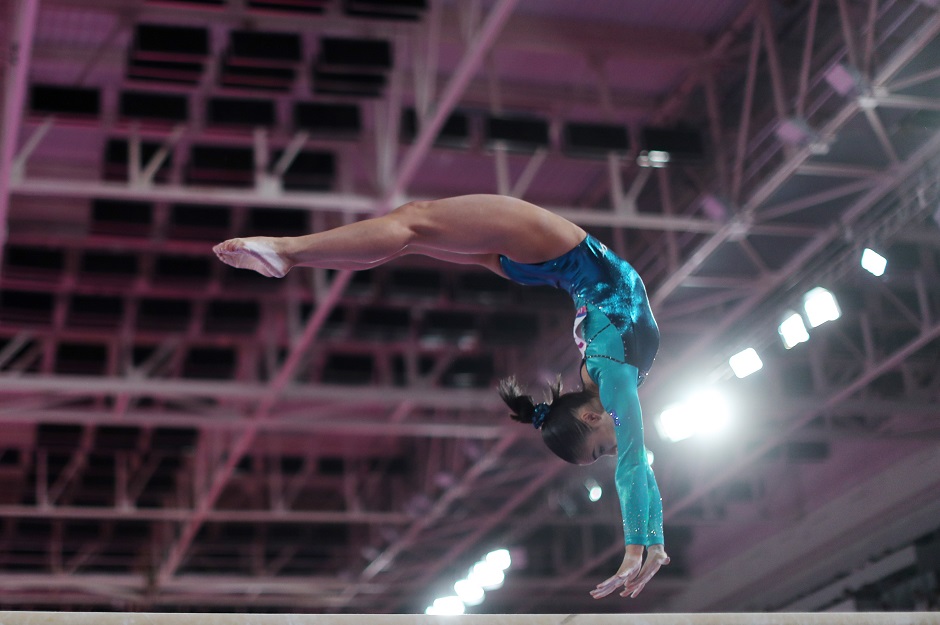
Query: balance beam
[(771, 618)]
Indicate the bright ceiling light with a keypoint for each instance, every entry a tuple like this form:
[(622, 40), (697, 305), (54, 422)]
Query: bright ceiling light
[(746, 362), (653, 158), (500, 558), (469, 592), (705, 413), (446, 605), (873, 262), (820, 306), (675, 423), (486, 575), (712, 410), (792, 330), (595, 492)]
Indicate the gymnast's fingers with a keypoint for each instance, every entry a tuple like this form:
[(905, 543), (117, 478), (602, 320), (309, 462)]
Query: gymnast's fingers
[(608, 586)]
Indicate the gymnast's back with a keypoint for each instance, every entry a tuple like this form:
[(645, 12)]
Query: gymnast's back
[(602, 285)]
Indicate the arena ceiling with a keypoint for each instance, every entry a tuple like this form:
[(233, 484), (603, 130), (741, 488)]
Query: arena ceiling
[(180, 435)]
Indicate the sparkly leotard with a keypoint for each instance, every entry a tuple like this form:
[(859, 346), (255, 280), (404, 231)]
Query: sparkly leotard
[(618, 337)]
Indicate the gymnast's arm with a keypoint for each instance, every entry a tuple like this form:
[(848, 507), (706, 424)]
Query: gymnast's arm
[(640, 502)]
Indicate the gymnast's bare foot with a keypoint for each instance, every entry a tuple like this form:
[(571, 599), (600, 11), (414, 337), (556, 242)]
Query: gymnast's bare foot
[(258, 253)]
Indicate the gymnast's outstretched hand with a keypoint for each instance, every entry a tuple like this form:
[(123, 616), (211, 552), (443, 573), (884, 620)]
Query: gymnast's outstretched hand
[(633, 574)]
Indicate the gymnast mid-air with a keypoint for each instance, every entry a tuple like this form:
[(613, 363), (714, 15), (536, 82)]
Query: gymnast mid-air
[(614, 329)]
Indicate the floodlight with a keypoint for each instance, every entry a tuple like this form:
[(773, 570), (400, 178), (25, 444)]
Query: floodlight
[(873, 262), (675, 423), (446, 605), (705, 413), (792, 330), (820, 306), (746, 362), (711, 411), (469, 592), (500, 558), (486, 575), (595, 492)]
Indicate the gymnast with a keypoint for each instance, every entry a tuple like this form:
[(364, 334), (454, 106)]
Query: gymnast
[(614, 329)]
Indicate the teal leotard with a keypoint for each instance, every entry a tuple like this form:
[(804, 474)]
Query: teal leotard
[(618, 337)]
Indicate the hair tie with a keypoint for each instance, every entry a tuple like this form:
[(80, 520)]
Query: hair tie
[(538, 418)]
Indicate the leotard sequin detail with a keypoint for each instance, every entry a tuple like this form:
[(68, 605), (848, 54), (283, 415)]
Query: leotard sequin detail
[(615, 330), (599, 282)]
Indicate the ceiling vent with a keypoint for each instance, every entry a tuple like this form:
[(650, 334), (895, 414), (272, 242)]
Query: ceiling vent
[(516, 133), (680, 145), (587, 140), (278, 221), (163, 315), (357, 67), (195, 221), (290, 6), (121, 218), (109, 265), (33, 263), (168, 53), (154, 107), (261, 60), (340, 121), (209, 363), (94, 311), (409, 10), (309, 171), (117, 160), (232, 317), (81, 359), (454, 133), (240, 112), (225, 166), (25, 307), (72, 103)]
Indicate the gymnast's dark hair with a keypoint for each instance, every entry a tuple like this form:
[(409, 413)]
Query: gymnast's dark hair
[(562, 430)]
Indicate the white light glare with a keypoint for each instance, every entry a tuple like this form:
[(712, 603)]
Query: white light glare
[(446, 605), (486, 576), (820, 306), (649, 457), (595, 492), (746, 362), (653, 158), (873, 262), (705, 413), (500, 558), (469, 592), (675, 423), (793, 331)]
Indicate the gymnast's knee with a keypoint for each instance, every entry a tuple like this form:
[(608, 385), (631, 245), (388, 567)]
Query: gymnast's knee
[(415, 218)]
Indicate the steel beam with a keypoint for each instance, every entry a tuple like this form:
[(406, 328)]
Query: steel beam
[(16, 75)]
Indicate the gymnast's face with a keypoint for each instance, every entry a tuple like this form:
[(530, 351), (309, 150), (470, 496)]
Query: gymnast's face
[(601, 439)]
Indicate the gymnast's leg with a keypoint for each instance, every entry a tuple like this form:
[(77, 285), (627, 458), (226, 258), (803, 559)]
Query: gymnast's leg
[(466, 229)]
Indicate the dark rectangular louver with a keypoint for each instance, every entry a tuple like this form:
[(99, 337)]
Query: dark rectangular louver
[(332, 120), (71, 102), (516, 134), (154, 106), (591, 140)]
